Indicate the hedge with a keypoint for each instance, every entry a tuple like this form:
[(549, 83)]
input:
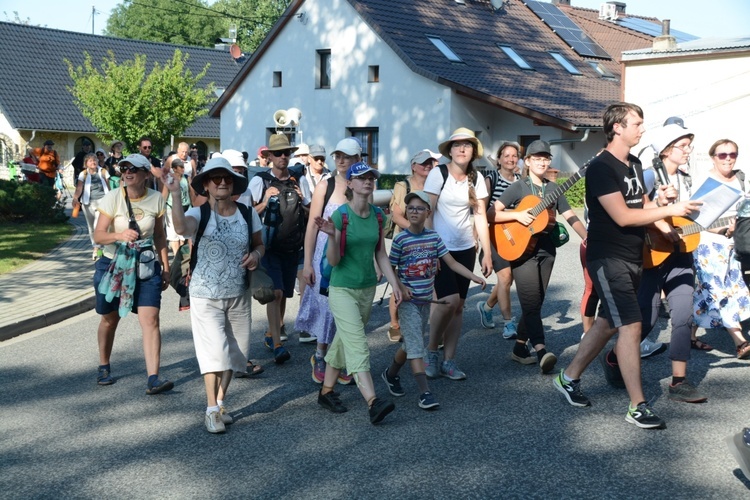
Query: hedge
[(30, 202)]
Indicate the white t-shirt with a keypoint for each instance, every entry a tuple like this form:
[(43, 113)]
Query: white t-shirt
[(217, 273), (452, 217)]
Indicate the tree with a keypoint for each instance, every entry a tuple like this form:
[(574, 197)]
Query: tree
[(123, 101), (194, 22)]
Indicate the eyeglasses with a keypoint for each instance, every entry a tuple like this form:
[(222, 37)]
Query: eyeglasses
[(541, 159), (228, 179), (129, 169), (684, 147), (723, 156), (283, 152), (416, 209)]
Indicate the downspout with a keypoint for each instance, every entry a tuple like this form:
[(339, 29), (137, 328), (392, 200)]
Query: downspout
[(567, 141)]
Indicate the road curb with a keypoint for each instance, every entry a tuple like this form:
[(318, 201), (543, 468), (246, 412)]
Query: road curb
[(83, 303)]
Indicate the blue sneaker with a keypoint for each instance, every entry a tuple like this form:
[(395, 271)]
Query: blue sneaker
[(104, 377), (268, 342), (428, 402), (450, 370), (159, 386), (431, 367), (485, 316), (280, 355), (510, 330), (393, 384)]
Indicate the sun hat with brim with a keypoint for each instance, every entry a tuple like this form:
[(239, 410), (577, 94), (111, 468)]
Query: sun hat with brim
[(136, 160), (461, 134), (219, 164), (418, 194), (669, 134), (115, 142), (360, 168), (234, 158), (280, 142)]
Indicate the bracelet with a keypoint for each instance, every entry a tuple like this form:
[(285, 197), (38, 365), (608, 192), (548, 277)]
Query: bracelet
[(657, 203), (258, 252)]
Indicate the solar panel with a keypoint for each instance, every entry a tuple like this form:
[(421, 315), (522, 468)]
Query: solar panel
[(567, 29), (652, 29)]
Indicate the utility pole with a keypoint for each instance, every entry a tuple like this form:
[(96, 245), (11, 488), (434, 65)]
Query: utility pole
[(93, 13)]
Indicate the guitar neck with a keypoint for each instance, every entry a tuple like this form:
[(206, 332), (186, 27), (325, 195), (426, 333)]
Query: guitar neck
[(694, 228), (550, 198)]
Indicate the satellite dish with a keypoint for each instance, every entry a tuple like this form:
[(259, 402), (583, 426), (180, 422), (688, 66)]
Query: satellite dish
[(235, 51)]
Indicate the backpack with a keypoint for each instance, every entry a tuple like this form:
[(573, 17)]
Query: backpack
[(325, 268), (284, 218), (390, 226)]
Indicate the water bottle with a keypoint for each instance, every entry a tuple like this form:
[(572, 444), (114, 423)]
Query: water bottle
[(273, 214)]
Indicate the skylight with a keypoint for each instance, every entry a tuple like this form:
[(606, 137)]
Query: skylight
[(565, 63), (443, 47), (599, 68), (520, 61)]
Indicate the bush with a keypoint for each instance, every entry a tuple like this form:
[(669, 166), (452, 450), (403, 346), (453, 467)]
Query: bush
[(576, 194), (387, 181), (30, 202)]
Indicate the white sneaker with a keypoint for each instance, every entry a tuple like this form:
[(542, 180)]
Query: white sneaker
[(214, 425), (649, 348), (225, 416)]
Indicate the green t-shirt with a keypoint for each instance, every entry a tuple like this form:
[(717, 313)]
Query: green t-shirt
[(357, 268)]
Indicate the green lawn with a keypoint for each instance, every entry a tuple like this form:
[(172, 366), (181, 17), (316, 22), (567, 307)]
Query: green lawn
[(22, 244)]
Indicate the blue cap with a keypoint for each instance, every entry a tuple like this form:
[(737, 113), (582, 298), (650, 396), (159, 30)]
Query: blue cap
[(361, 168)]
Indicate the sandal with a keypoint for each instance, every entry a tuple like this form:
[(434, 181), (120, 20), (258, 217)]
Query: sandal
[(252, 370), (700, 346)]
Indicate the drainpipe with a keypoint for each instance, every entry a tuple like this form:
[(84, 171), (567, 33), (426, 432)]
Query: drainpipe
[(568, 141)]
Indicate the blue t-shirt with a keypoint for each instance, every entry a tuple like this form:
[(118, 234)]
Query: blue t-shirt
[(416, 257)]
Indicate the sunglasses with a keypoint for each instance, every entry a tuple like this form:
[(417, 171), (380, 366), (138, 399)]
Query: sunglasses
[(283, 152), (723, 156), (129, 169), (146, 147), (99, 154), (228, 179)]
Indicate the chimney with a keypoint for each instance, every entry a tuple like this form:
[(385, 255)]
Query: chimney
[(666, 41), (561, 2)]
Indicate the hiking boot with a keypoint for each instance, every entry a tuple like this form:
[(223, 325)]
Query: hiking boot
[(280, 355), (547, 363), (450, 370), (649, 348), (318, 369), (431, 368), (428, 402), (571, 390), (521, 354), (331, 402), (306, 338), (611, 371), (686, 393), (226, 418), (644, 417), (380, 409), (393, 384), (485, 316), (510, 330), (103, 377), (159, 386), (214, 425)]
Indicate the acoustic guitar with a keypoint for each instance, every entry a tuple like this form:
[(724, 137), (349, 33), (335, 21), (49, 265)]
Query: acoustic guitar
[(658, 247), (513, 240)]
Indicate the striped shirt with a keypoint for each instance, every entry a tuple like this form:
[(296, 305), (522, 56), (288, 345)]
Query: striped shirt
[(499, 183), (416, 257)]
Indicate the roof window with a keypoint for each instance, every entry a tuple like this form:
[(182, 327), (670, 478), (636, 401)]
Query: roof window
[(565, 63), (599, 68), (510, 52), (443, 47)]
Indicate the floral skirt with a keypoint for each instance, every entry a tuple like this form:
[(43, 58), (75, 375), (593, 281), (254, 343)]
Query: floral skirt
[(721, 298)]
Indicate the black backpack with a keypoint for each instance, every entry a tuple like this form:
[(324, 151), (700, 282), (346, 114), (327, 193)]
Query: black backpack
[(283, 221)]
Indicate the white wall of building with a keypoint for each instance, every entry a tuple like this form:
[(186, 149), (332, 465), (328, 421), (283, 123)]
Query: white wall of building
[(711, 93)]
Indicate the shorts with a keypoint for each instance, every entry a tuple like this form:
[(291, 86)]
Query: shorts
[(147, 293), (449, 283), (169, 223), (498, 263), (413, 316), (282, 268), (616, 282)]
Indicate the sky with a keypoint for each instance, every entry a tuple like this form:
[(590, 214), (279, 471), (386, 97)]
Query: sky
[(722, 18)]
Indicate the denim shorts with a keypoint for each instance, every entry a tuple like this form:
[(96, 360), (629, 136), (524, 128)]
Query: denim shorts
[(147, 293)]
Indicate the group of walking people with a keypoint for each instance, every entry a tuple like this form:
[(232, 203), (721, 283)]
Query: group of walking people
[(443, 214)]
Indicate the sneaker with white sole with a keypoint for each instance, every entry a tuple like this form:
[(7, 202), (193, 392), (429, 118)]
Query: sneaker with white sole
[(649, 348), (306, 338), (225, 416), (428, 402), (450, 370), (571, 390), (393, 384), (431, 367), (485, 316), (214, 424), (644, 417), (510, 330)]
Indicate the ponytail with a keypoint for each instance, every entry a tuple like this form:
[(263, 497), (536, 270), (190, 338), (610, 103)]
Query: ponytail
[(471, 175)]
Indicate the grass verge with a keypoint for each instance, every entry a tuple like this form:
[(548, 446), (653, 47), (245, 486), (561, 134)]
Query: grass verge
[(22, 244)]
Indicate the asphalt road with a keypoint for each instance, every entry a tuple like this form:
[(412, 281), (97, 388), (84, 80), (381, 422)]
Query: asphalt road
[(503, 433)]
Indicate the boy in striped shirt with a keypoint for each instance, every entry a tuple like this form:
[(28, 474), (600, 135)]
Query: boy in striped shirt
[(415, 252)]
